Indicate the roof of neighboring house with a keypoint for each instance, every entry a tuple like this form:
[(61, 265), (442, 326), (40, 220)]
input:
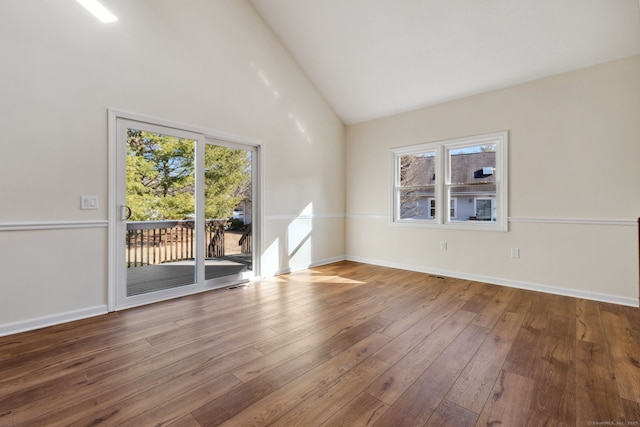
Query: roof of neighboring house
[(465, 169)]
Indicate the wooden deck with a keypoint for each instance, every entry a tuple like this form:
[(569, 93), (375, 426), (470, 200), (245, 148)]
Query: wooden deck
[(151, 278), (346, 344)]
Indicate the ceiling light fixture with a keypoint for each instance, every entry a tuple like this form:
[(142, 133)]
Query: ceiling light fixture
[(98, 10)]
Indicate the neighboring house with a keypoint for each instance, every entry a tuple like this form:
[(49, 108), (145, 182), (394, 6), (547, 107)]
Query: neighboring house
[(242, 211), (473, 190)]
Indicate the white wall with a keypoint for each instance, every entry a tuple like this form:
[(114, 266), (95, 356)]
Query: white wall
[(208, 63), (573, 186)]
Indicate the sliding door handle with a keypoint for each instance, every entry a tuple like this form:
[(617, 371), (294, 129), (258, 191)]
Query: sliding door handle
[(125, 212)]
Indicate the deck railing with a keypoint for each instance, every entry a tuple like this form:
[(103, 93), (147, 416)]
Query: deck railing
[(157, 242)]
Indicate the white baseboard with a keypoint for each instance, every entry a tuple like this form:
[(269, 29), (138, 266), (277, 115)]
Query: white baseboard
[(613, 299), (56, 319)]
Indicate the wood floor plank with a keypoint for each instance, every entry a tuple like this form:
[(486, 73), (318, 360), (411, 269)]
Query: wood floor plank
[(305, 327), (123, 410), (273, 406), (526, 350), (209, 347), (480, 298), (596, 393), (6, 419), (34, 392), (293, 349), (403, 321), (163, 413), (555, 373), (394, 382), (110, 389), (318, 407), (520, 302), (186, 336), (71, 347), (588, 324), (624, 348), (105, 396), (472, 388), (465, 289), (509, 401), (564, 306), (51, 337), (431, 320), (416, 405), (38, 372), (364, 410), (186, 421), (632, 314), (448, 414), (541, 302), (537, 419), (492, 311), (631, 412), (332, 306), (243, 396)]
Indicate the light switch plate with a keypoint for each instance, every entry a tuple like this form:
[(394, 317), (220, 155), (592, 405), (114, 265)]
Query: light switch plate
[(89, 202)]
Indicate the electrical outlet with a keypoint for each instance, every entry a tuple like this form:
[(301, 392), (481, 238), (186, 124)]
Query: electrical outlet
[(443, 246), (89, 202), (515, 253)]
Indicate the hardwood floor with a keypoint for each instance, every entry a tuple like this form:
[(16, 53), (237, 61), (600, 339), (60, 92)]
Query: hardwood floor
[(345, 344)]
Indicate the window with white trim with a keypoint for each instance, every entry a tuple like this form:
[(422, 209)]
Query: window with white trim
[(468, 175), (453, 203), (416, 185), (432, 208), (485, 209)]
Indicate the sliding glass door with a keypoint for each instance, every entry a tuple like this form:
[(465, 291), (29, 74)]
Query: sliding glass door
[(228, 211), (184, 207), (160, 210)]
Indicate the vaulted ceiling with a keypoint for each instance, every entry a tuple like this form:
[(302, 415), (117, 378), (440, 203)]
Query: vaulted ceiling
[(374, 58)]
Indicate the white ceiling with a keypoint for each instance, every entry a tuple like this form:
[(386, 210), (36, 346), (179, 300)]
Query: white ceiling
[(374, 58)]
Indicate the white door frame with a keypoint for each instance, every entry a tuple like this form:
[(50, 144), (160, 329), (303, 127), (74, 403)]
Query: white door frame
[(116, 275)]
